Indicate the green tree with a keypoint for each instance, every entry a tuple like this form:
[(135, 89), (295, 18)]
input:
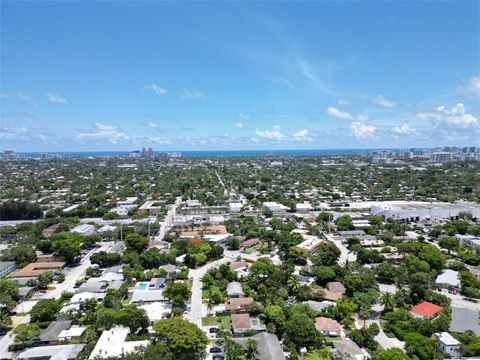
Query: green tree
[(9, 295), (181, 337), (135, 242), (388, 301), (326, 254), (345, 223), (44, 310), (22, 254), (68, 249), (26, 332), (300, 331), (177, 292), (390, 354), (449, 243)]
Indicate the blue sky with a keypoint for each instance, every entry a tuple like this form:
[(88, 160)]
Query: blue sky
[(239, 75)]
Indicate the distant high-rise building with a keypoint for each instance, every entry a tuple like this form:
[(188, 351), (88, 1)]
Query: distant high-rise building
[(144, 152), (134, 154), (150, 152)]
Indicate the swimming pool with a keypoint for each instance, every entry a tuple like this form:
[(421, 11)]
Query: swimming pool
[(143, 286)]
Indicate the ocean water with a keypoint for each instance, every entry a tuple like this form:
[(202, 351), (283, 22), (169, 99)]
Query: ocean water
[(208, 153)]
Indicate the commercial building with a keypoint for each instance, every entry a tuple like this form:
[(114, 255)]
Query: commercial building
[(425, 211), (84, 230), (275, 207), (6, 267), (468, 240)]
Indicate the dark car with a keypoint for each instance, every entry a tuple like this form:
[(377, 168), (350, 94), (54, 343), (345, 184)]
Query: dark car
[(216, 349), (213, 330), (219, 357)]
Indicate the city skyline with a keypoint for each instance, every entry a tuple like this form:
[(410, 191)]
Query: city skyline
[(239, 76)]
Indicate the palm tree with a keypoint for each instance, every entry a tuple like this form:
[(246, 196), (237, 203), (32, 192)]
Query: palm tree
[(293, 284), (210, 304), (387, 301)]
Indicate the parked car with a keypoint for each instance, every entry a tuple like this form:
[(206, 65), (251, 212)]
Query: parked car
[(213, 330), (216, 349)]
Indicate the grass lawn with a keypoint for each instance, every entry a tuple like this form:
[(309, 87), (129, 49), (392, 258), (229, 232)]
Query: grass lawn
[(220, 321), (317, 354)]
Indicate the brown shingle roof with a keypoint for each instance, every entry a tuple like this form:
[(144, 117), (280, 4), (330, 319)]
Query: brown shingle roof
[(241, 321), (37, 269), (327, 324), (237, 303)]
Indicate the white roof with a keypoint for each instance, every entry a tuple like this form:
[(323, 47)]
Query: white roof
[(77, 298), (74, 331), (156, 310), (80, 229), (147, 296), (447, 339), (274, 206), (55, 352), (112, 343), (448, 277)]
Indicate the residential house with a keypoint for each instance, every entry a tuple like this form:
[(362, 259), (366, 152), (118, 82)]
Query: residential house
[(243, 322), (49, 335), (327, 326), (448, 279), (319, 305), (334, 291), (6, 267), (234, 290), (238, 304), (56, 352), (113, 343), (448, 344), (268, 346), (425, 310), (349, 350), (34, 270)]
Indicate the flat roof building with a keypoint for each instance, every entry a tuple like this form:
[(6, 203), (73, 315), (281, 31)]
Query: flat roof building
[(112, 343)]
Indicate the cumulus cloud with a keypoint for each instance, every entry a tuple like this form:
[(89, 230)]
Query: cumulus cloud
[(404, 129), (274, 134), (383, 101), (301, 135), (103, 132), (338, 114), (345, 115), (456, 116), (152, 125), (157, 89), (361, 130), (52, 97), (239, 125), (471, 86), (193, 94)]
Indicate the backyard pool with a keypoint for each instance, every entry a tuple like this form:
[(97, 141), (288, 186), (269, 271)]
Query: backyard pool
[(143, 286)]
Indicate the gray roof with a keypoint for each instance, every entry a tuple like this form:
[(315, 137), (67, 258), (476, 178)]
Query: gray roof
[(115, 284), (117, 247), (147, 296), (53, 330), (169, 268), (114, 269), (319, 305), (347, 347), (24, 290), (6, 264), (92, 287), (55, 352), (449, 277), (234, 288), (268, 346), (464, 319)]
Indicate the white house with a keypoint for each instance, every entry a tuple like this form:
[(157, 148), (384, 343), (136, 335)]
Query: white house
[(112, 343), (448, 344), (84, 230)]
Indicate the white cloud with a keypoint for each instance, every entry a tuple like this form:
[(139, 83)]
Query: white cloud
[(345, 115), (471, 86), (404, 129), (308, 71), (456, 116), (300, 135), (274, 134), (43, 138), (103, 132), (193, 94), (243, 116), (4, 95), (12, 133), (26, 98), (361, 130), (338, 114), (239, 125), (383, 101), (157, 89), (52, 97), (152, 125)]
